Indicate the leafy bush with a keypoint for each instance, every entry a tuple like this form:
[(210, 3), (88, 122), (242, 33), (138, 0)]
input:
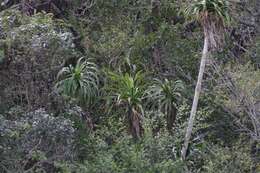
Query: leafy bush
[(35, 49), (150, 154), (35, 141), (224, 159)]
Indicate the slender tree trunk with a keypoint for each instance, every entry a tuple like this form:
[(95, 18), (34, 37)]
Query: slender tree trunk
[(171, 117), (135, 126), (196, 96)]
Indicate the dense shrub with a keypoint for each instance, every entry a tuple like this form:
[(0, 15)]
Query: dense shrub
[(224, 159), (35, 49), (35, 141)]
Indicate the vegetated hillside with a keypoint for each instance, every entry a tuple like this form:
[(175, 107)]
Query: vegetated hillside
[(129, 86)]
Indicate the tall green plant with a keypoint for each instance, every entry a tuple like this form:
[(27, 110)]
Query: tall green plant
[(127, 91), (212, 15), (165, 96), (79, 82)]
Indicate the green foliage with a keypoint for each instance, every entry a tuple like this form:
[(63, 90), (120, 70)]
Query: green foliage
[(35, 47), (203, 8), (166, 94), (240, 94), (33, 139), (248, 80), (127, 89), (222, 160), (80, 82), (39, 40), (150, 154)]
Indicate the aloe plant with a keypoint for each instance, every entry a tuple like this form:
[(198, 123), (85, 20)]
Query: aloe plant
[(127, 90), (165, 96), (80, 81)]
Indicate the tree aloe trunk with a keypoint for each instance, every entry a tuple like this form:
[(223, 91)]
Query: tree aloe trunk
[(196, 96), (135, 126)]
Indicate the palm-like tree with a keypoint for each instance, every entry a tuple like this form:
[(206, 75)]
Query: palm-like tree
[(127, 90), (212, 15), (79, 81), (165, 95)]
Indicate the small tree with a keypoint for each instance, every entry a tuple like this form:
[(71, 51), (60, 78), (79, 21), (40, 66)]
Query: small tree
[(127, 90), (212, 15), (79, 82), (165, 96)]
